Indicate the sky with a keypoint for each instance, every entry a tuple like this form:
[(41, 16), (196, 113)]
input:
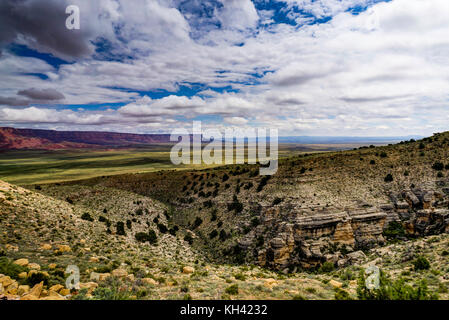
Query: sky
[(305, 67)]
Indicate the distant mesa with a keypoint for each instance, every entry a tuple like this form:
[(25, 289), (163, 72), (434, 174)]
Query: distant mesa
[(28, 139)]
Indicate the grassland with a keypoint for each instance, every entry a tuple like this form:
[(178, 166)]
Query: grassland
[(31, 167)]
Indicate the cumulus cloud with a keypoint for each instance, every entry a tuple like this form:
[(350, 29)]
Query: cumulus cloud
[(41, 24), (383, 70), (41, 94)]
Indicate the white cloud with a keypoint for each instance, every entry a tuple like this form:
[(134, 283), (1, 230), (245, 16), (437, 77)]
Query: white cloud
[(383, 71)]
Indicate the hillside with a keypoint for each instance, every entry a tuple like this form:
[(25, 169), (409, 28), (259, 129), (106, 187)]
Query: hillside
[(17, 139), (227, 232)]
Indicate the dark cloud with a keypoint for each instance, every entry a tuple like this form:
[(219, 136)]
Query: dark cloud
[(295, 80), (370, 99), (41, 23), (41, 94), (14, 102)]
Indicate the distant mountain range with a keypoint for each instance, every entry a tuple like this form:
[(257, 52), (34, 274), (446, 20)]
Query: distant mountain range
[(19, 139)]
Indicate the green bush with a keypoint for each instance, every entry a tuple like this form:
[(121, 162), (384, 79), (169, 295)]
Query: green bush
[(120, 226), (8, 268), (341, 294), (213, 234), (388, 178), (327, 267), (162, 228), (421, 263), (36, 278), (394, 230), (235, 205), (188, 238), (147, 237), (393, 290), (232, 290), (438, 166), (86, 216), (198, 221)]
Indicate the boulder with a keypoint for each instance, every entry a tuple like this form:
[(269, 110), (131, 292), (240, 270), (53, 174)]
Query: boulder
[(22, 262), (63, 248), (188, 270), (46, 246), (56, 288), (95, 276), (36, 291), (149, 281), (90, 286), (335, 284), (356, 257), (23, 290), (64, 292), (120, 273), (6, 281), (34, 266)]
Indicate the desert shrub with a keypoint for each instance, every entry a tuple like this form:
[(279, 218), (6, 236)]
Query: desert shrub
[(8, 268), (421, 263), (277, 201), (213, 215), (111, 293), (393, 290), (198, 221), (240, 276), (372, 162), (438, 166), (36, 278), (235, 205), (162, 228), (146, 237), (263, 183), (128, 224), (188, 238), (298, 297), (341, 294), (225, 178), (213, 234), (388, 178), (255, 221), (86, 216), (383, 154), (173, 230), (223, 235), (232, 290), (394, 230), (120, 226), (259, 241), (440, 175), (327, 267)]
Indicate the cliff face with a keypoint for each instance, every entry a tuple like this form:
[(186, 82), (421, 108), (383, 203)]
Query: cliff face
[(308, 238), (11, 138)]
